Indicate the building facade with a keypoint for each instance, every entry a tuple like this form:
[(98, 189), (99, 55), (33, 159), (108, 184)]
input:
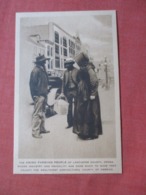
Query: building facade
[(55, 43), (64, 46)]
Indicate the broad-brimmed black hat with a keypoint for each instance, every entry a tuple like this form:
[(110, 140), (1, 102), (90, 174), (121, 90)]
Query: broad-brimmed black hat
[(82, 59), (40, 59)]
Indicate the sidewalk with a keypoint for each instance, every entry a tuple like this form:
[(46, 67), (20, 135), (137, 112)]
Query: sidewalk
[(62, 143)]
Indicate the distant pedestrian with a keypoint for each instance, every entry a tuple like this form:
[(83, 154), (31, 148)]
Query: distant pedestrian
[(69, 88), (87, 120), (39, 90)]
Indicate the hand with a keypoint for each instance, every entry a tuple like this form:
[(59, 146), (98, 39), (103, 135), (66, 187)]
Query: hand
[(61, 95), (35, 98), (49, 89), (92, 97)]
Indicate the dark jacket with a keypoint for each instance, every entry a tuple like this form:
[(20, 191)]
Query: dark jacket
[(88, 86), (87, 117), (93, 81), (38, 82), (75, 79)]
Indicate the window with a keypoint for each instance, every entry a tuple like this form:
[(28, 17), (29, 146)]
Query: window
[(65, 52), (57, 62), (71, 48), (71, 51), (49, 65), (64, 42), (73, 45), (56, 49), (48, 50), (51, 51), (56, 37)]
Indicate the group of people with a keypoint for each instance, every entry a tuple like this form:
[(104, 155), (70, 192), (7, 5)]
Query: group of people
[(80, 87)]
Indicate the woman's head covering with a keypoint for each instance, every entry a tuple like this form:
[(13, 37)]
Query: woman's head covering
[(82, 59)]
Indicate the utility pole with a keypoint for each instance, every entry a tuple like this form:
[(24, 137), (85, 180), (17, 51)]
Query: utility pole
[(106, 73)]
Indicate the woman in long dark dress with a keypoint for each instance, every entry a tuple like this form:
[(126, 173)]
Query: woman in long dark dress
[(87, 116)]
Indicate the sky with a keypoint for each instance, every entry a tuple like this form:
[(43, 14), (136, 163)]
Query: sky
[(94, 29)]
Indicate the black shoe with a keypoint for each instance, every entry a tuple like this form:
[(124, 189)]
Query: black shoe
[(44, 131), (69, 126), (83, 137), (94, 137)]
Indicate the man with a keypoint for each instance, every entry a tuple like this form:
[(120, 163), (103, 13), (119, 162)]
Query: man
[(39, 90), (69, 87)]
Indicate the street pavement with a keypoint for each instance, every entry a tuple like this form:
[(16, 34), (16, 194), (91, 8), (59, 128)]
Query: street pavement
[(61, 143)]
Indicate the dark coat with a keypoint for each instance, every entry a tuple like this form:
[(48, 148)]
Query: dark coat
[(38, 82), (87, 116), (75, 78)]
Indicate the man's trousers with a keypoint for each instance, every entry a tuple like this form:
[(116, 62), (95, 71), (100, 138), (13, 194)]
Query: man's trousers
[(38, 117)]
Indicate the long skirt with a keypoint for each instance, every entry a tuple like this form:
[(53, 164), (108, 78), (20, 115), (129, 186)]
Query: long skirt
[(87, 118)]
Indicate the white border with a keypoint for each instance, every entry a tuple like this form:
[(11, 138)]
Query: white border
[(116, 161)]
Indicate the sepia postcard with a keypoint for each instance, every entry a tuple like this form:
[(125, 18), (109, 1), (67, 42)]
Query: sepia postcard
[(67, 94)]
